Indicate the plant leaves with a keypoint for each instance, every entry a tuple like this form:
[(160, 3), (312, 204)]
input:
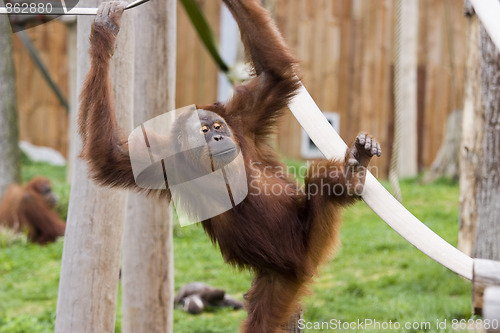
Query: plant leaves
[(204, 32)]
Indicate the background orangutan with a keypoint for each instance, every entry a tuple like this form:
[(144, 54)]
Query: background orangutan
[(31, 207), (195, 297), (281, 238)]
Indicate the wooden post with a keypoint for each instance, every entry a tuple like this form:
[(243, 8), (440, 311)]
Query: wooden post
[(73, 97), (148, 269), (10, 164), (486, 273), (487, 243), (91, 259), (487, 239), (471, 150)]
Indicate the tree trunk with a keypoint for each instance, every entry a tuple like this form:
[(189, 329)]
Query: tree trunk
[(10, 164), (148, 270), (487, 244), (471, 150), (88, 287)]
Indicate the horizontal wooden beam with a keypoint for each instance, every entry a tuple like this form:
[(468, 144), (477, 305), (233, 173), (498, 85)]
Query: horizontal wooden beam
[(375, 195)]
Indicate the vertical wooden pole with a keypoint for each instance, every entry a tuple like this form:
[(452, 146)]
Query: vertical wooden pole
[(9, 134), (487, 244), (471, 150), (91, 258), (73, 98), (148, 270)]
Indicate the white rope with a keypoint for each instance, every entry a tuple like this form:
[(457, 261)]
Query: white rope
[(375, 195)]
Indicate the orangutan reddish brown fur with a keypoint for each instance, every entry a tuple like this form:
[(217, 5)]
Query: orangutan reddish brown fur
[(281, 238), (31, 207)]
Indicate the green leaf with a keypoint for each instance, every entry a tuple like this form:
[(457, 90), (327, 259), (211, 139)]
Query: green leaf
[(204, 32)]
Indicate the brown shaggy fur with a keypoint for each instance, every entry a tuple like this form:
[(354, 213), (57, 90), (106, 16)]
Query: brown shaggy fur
[(281, 238), (31, 207)]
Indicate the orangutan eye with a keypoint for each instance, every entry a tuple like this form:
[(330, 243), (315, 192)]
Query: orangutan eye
[(217, 126), (204, 129)]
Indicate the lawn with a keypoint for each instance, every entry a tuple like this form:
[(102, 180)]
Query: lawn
[(376, 276)]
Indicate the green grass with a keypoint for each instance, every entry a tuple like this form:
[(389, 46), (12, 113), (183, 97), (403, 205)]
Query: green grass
[(376, 274)]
